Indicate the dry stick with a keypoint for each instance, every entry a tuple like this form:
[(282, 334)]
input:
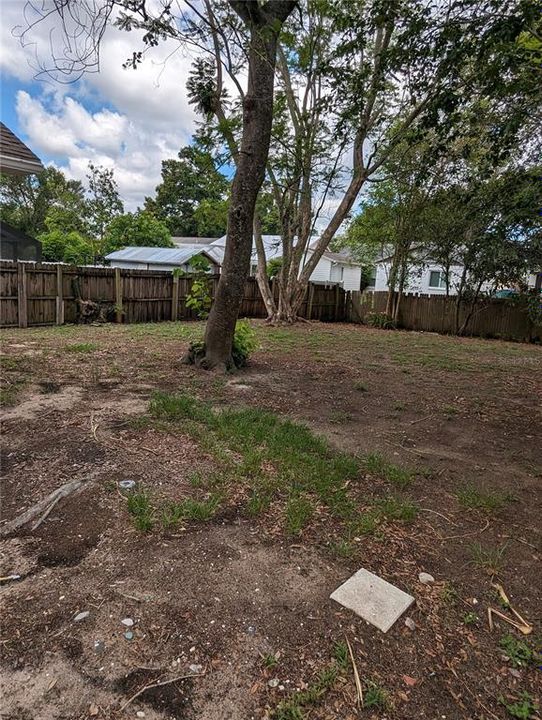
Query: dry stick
[(158, 684), (359, 689), (41, 506), (38, 522), (440, 515), (476, 532), (427, 417)]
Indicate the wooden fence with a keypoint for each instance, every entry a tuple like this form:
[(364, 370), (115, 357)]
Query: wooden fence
[(436, 313), (44, 294)]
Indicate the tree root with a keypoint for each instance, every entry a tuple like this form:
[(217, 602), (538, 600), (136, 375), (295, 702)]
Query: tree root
[(41, 508)]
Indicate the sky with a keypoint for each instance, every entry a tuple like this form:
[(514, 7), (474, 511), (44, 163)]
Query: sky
[(120, 118)]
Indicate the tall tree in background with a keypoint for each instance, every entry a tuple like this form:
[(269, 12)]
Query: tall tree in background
[(103, 204), (188, 183), (139, 229), (26, 201)]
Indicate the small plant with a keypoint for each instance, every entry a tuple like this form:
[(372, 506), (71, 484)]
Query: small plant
[(342, 548), (367, 523), (81, 347), (376, 464), (523, 708), (473, 499), (470, 618), (140, 509), (490, 559), (299, 511), (449, 594), (374, 695), (519, 652), (339, 417), (258, 502), (270, 661), (292, 708), (360, 386), (199, 298), (244, 343), (341, 655), (380, 320)]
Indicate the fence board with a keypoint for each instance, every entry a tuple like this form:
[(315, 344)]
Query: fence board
[(491, 318)]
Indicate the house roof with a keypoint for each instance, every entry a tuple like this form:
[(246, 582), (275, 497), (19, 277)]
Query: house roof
[(16, 158), (160, 256), (192, 240)]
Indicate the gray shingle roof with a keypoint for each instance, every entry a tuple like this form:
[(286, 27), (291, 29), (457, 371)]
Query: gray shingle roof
[(16, 158)]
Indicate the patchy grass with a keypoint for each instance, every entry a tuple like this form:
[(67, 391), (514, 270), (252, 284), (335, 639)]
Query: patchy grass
[(82, 348), (472, 498), (295, 706), (299, 511), (375, 696), (396, 508), (377, 464)]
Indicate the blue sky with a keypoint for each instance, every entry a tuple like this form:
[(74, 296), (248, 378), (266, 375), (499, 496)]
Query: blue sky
[(124, 119)]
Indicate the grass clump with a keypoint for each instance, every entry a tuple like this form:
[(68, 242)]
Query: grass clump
[(299, 511), (293, 707), (139, 507), (489, 502), (523, 708), (376, 696), (341, 655), (86, 347), (190, 509), (377, 464), (361, 386), (490, 559)]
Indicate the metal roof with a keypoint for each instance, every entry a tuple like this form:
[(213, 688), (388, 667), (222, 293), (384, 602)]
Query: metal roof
[(16, 158), (159, 256)]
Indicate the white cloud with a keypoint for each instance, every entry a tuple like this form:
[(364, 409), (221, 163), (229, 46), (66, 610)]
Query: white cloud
[(125, 119)]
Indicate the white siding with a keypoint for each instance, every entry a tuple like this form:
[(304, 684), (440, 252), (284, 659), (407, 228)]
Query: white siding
[(351, 277), (322, 271), (418, 279)]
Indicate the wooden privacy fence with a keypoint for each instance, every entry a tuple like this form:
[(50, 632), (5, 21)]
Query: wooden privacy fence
[(44, 294), (436, 313)]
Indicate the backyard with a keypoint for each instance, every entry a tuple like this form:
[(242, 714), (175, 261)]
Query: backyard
[(253, 497)]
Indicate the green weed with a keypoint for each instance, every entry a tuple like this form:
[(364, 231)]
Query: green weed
[(470, 618), (342, 548), (341, 655), (523, 708), (394, 508), (518, 651), (360, 386), (374, 695)]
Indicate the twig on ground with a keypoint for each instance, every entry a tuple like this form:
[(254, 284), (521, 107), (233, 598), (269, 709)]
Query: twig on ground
[(46, 504), (158, 684), (427, 417), (440, 515), (359, 689), (476, 532)]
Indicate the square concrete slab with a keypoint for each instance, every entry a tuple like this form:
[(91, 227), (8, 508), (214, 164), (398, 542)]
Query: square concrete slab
[(373, 599)]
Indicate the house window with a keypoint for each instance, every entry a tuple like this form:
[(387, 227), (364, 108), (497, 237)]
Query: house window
[(437, 279), (371, 279)]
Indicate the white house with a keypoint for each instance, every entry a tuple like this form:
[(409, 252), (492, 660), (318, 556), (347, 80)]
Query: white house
[(427, 279), (332, 268), (155, 258)]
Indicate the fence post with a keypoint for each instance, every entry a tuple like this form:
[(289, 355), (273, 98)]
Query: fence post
[(336, 302), (118, 296), (59, 296), (22, 297), (175, 298), (311, 298)]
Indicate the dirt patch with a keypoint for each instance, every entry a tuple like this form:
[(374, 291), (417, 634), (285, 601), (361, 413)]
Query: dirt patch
[(36, 403)]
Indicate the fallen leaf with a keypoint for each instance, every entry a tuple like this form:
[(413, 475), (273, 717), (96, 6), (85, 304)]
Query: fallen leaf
[(410, 681), (403, 695), (93, 710)]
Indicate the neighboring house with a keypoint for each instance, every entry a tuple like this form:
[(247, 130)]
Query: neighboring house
[(17, 159), (155, 258), (426, 279), (332, 268), (182, 241)]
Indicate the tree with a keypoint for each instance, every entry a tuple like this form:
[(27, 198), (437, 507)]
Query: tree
[(139, 229), (192, 197), (103, 205), (70, 247), (26, 202), (346, 72)]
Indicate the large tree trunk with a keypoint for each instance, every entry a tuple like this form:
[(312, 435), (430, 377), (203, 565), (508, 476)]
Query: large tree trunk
[(264, 23)]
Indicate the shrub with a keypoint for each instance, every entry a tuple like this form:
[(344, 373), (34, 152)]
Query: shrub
[(381, 320), (244, 343)]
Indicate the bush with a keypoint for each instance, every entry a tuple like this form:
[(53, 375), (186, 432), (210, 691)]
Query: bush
[(381, 320), (244, 343)]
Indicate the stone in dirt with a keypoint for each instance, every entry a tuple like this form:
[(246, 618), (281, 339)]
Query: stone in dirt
[(81, 616), (195, 668), (127, 621), (426, 578), (373, 599)]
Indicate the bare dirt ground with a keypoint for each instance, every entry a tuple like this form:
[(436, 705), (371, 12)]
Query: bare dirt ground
[(233, 599)]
